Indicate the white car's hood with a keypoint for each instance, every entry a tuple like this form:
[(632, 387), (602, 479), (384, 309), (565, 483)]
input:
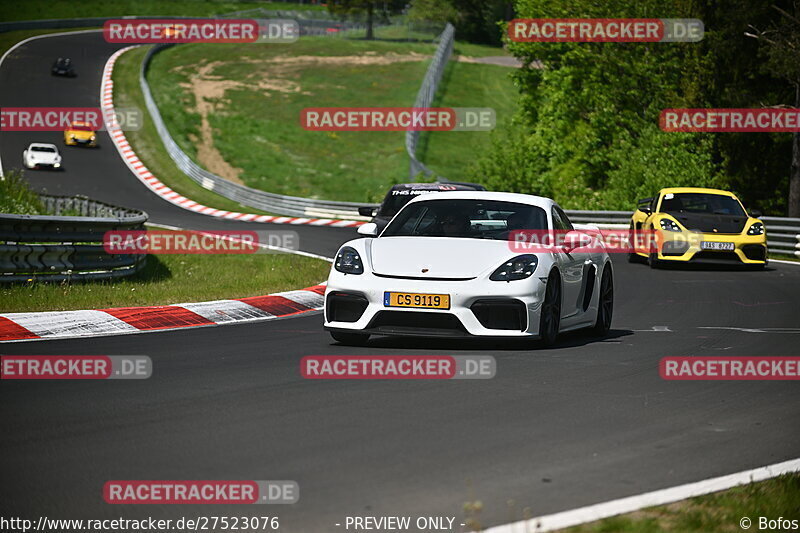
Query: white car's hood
[(443, 257)]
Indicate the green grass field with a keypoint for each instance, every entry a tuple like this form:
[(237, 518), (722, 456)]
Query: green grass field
[(62, 9), (718, 512), (17, 197), (256, 94), (147, 144), (171, 279), (450, 154)]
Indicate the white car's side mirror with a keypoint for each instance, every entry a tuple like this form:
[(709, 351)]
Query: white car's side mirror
[(370, 229)]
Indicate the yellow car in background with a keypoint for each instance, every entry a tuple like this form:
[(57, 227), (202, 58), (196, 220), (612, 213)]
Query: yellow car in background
[(80, 134), (690, 224)]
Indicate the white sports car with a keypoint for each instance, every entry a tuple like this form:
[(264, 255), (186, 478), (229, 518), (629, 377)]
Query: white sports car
[(41, 155), (450, 265)]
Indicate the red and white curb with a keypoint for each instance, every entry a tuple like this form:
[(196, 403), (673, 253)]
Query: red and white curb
[(125, 320), (154, 184)]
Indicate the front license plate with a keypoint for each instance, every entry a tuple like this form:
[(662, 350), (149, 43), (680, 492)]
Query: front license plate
[(413, 299), (710, 245)]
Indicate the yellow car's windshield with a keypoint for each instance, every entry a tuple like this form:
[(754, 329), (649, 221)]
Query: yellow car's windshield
[(701, 203)]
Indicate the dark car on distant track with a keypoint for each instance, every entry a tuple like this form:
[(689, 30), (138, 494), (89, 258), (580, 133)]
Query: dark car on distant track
[(399, 195), (63, 67)]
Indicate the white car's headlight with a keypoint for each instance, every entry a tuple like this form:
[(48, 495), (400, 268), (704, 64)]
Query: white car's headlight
[(756, 229), (520, 267), (348, 261), (669, 225)]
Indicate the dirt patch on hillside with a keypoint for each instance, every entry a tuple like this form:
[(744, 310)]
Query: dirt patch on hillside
[(206, 90), (500, 61)]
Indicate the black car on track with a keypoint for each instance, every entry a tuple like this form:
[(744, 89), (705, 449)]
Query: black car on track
[(63, 67), (399, 195)]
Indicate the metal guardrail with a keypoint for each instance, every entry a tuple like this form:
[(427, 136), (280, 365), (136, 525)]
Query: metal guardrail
[(783, 234), (279, 203), (255, 198), (67, 247), (426, 94)]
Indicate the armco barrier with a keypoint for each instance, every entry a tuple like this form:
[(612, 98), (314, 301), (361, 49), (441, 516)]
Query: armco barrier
[(293, 205), (265, 201), (783, 235), (426, 94), (63, 247)]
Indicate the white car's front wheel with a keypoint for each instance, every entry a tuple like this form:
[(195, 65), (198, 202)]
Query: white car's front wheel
[(550, 315), (605, 303)]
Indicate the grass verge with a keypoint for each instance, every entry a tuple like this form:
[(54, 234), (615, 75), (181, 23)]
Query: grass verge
[(17, 197), (718, 512), (452, 154), (171, 279), (64, 9)]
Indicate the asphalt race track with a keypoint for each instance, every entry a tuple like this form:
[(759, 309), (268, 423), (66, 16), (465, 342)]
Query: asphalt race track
[(587, 421), (25, 81)]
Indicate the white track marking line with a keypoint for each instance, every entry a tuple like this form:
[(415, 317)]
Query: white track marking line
[(600, 511), (784, 262)]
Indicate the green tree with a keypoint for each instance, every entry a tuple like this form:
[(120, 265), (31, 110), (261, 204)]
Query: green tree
[(349, 7), (475, 20), (781, 50), (587, 132)]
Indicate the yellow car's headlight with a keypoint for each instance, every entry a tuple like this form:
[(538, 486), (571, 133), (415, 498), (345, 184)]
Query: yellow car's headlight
[(669, 225), (757, 228)]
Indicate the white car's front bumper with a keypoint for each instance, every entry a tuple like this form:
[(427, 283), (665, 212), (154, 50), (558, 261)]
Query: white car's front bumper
[(498, 303)]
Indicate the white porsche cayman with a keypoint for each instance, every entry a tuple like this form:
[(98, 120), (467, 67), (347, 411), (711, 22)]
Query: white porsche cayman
[(447, 265)]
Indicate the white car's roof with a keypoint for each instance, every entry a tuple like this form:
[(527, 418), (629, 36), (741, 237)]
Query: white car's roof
[(539, 201), (43, 145)]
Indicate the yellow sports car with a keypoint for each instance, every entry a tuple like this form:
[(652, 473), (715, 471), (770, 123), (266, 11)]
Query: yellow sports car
[(683, 224), (80, 133)]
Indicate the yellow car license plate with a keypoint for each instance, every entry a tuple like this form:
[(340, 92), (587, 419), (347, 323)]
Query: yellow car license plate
[(413, 299)]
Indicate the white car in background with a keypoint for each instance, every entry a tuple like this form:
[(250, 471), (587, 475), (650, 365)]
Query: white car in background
[(41, 155), (447, 266)]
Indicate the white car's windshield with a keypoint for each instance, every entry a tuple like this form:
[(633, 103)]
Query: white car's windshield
[(43, 149), (473, 219)]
